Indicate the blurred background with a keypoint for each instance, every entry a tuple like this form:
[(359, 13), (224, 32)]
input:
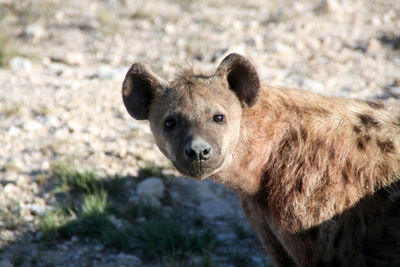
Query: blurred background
[(82, 183)]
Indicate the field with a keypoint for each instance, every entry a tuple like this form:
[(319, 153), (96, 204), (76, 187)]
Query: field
[(83, 184)]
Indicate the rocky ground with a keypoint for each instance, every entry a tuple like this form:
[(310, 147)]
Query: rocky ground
[(65, 136)]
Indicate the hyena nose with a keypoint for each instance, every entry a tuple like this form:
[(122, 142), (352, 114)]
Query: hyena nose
[(197, 149)]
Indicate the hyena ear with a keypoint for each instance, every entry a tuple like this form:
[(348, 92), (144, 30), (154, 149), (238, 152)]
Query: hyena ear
[(138, 90), (242, 78)]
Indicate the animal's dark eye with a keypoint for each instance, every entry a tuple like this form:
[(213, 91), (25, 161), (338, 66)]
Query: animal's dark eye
[(169, 124), (219, 118)]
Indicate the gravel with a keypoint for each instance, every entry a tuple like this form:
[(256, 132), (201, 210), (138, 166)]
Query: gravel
[(60, 93)]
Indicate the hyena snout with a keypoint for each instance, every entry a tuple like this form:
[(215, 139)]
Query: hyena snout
[(197, 149)]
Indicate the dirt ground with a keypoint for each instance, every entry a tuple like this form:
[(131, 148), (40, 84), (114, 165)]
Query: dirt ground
[(66, 138)]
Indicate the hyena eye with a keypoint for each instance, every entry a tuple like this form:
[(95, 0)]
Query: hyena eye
[(219, 118), (169, 124)]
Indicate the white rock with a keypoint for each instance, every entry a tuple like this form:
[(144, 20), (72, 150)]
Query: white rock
[(20, 64), (151, 188), (13, 131), (33, 126), (37, 209), (128, 260), (53, 121), (11, 190), (34, 31), (107, 72), (74, 58)]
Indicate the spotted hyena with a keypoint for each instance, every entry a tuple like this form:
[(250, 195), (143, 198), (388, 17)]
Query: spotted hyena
[(318, 176)]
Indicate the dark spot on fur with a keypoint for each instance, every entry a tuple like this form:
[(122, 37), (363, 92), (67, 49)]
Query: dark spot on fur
[(346, 171), (360, 143), (348, 201), (356, 129), (345, 176), (332, 153), (299, 185), (385, 146), (368, 121), (375, 105), (318, 143), (337, 239), (303, 134), (292, 137)]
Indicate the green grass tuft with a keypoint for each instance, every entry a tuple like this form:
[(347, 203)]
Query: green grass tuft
[(85, 181), (241, 232), (151, 169), (169, 237), (239, 257)]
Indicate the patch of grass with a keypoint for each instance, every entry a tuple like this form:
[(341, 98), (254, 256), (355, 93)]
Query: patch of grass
[(10, 220), (109, 21), (169, 238), (239, 257), (151, 169), (41, 111), (149, 211), (7, 48), (50, 222), (72, 179), (11, 110), (90, 219), (241, 232), (93, 212)]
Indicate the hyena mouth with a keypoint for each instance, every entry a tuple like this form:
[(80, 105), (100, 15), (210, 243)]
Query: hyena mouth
[(198, 169)]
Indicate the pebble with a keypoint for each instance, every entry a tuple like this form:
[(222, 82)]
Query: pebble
[(125, 260), (33, 126), (75, 58), (35, 32), (20, 64)]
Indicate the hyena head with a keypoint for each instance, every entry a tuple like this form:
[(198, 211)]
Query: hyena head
[(195, 119)]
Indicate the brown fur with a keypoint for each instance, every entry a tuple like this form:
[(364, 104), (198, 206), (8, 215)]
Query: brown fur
[(318, 176)]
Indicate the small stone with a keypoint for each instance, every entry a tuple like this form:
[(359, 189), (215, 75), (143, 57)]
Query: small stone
[(13, 131), (122, 151), (170, 28), (99, 248), (35, 32), (33, 126), (326, 6), (151, 188), (36, 209), (45, 165), (128, 260), (374, 46), (75, 58), (20, 64), (11, 190)]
